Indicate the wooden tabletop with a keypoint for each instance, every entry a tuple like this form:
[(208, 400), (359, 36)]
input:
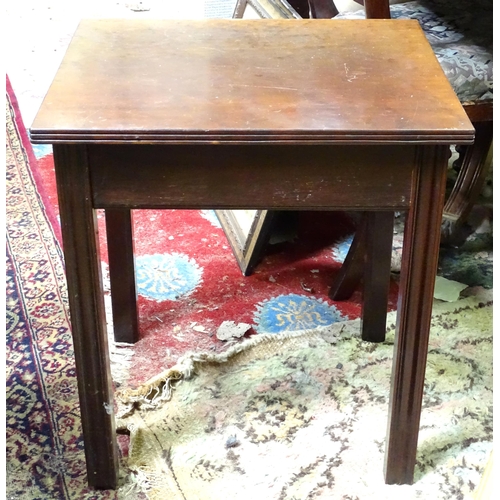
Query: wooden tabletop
[(245, 81)]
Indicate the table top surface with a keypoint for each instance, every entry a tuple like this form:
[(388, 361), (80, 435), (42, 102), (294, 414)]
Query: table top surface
[(246, 81)]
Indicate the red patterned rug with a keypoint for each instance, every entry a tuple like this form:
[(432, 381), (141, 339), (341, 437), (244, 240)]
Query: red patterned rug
[(189, 281)]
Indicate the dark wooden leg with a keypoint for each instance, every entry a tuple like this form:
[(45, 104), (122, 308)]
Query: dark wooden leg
[(86, 302), (351, 272), (120, 238), (470, 180), (369, 260), (376, 275), (418, 273)]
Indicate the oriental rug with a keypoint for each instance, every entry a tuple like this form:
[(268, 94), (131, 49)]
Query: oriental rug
[(45, 458)]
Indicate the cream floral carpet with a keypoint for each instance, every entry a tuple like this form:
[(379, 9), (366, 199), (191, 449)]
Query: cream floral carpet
[(299, 416)]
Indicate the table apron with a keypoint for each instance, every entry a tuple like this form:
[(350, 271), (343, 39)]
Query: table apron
[(296, 177)]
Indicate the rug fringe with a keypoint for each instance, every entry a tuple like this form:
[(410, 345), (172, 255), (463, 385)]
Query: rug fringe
[(158, 389)]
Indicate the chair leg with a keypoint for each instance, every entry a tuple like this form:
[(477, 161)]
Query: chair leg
[(120, 238), (369, 260), (469, 182)]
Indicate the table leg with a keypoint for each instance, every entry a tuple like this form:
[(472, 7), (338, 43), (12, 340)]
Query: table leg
[(120, 238), (418, 273), (376, 275), (369, 261), (351, 273), (83, 272)]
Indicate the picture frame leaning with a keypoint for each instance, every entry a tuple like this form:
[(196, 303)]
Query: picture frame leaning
[(248, 231)]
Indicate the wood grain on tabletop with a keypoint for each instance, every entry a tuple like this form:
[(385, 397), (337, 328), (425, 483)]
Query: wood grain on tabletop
[(250, 80)]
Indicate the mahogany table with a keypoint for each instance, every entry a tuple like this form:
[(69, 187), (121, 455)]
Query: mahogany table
[(230, 114)]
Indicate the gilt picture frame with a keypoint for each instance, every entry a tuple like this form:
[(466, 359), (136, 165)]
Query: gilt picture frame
[(247, 232)]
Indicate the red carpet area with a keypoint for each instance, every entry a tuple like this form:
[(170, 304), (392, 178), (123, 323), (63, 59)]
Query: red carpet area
[(189, 281)]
